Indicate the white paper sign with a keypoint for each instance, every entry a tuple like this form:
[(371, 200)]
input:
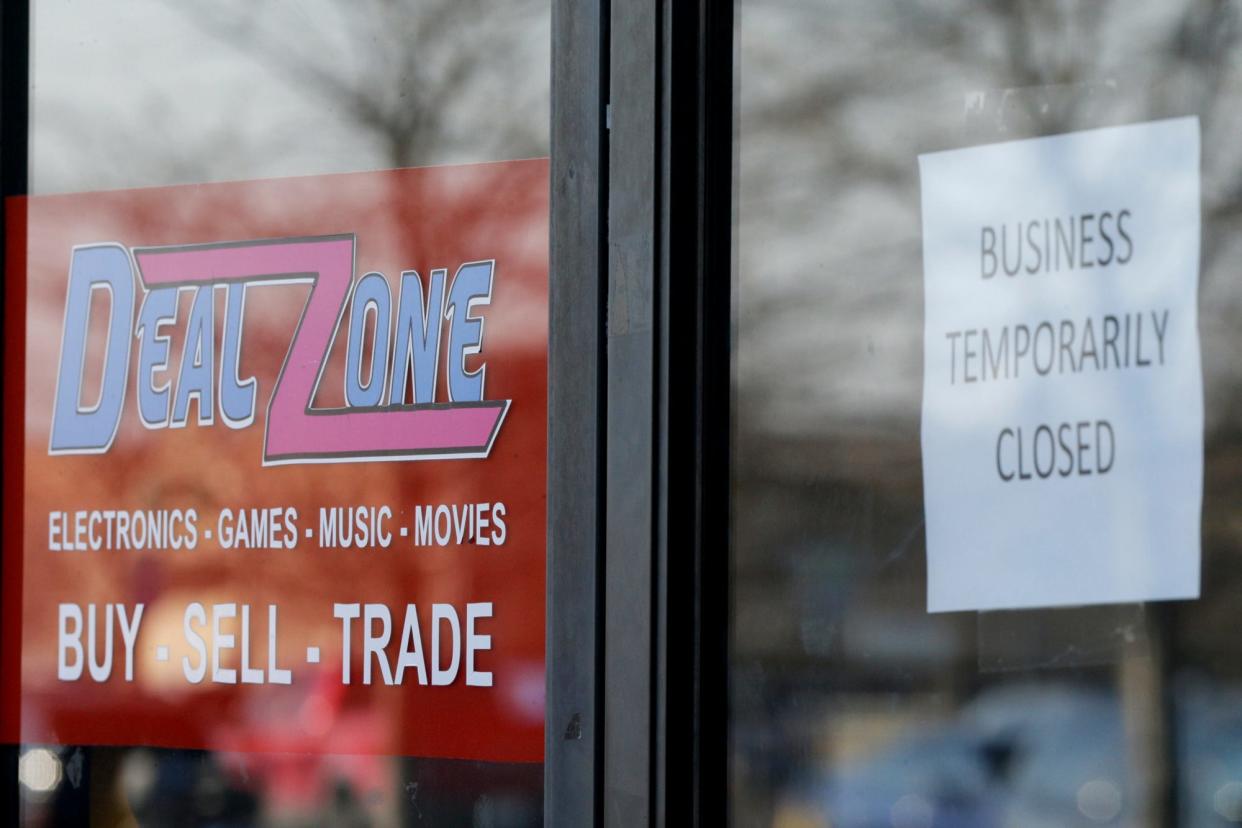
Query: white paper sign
[(1062, 391)]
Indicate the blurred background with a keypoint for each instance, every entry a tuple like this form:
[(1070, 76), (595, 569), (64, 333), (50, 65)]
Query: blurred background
[(151, 93), (851, 705)]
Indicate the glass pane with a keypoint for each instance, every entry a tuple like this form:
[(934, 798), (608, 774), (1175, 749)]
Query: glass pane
[(147, 92), (852, 703), (173, 146)]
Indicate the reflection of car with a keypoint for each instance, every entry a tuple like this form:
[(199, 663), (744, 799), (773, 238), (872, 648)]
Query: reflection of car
[(1038, 755)]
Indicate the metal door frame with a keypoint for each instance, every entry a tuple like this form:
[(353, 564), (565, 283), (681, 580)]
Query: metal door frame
[(639, 417)]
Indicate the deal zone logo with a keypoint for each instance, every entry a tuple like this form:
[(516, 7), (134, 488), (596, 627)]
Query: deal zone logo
[(375, 424)]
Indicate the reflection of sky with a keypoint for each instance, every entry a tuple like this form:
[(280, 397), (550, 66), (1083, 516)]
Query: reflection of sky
[(146, 92)]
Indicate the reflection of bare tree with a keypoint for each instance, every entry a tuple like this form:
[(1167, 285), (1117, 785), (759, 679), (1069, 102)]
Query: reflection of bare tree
[(189, 92), (834, 109), (828, 181), (418, 76)]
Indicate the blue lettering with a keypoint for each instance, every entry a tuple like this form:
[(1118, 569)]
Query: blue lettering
[(418, 337), (236, 395), (471, 286), (76, 428), (197, 356), (371, 292), (159, 308)]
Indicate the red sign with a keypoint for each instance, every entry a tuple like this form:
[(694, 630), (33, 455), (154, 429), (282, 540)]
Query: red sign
[(284, 464)]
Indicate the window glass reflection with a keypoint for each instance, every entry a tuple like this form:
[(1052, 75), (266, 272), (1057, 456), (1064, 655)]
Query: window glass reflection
[(851, 704), (148, 93)]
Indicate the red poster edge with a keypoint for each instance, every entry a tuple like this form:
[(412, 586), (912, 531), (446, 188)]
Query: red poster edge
[(14, 468)]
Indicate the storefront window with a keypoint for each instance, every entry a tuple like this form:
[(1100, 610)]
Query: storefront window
[(321, 607), (935, 622)]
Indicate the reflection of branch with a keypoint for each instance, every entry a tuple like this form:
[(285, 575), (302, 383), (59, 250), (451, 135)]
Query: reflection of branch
[(285, 54), (1204, 41), (190, 157), (407, 67), (835, 108)]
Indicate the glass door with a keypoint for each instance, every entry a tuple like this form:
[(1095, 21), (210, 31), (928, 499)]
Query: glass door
[(276, 294), (986, 549)]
